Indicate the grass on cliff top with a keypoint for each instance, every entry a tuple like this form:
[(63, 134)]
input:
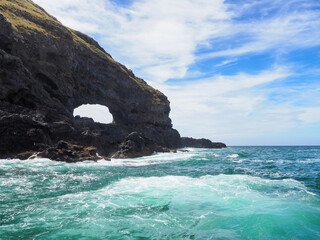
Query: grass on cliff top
[(23, 15), (26, 17), (92, 48)]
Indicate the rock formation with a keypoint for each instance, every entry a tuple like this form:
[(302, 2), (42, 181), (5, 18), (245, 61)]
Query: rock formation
[(137, 145), (47, 70), (65, 152), (200, 143)]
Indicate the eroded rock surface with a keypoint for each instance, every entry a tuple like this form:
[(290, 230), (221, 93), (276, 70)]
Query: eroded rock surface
[(47, 70), (138, 145), (64, 152)]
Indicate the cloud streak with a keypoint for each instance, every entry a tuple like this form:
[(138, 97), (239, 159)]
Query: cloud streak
[(285, 33)]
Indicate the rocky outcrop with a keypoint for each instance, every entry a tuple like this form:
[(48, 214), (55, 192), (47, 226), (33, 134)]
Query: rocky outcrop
[(137, 145), (47, 70), (65, 152), (200, 143)]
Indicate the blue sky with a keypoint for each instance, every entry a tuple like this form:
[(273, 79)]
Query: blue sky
[(241, 72)]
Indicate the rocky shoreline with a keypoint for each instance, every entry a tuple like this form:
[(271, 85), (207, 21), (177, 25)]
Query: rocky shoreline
[(47, 70)]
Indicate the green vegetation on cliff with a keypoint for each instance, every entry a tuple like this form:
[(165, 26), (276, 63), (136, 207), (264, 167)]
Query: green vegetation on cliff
[(27, 17)]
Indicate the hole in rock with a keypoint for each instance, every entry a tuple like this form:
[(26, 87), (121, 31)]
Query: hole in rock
[(98, 113)]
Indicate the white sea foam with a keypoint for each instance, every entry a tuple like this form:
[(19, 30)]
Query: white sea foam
[(309, 161), (238, 161), (156, 158), (239, 195), (233, 155), (230, 186), (281, 161), (189, 149), (159, 158)]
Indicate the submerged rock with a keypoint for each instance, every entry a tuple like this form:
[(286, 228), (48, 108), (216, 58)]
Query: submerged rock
[(184, 150)]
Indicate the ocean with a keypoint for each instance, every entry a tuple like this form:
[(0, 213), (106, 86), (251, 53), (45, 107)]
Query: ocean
[(232, 193)]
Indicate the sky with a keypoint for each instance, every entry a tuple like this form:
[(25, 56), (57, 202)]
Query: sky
[(244, 72)]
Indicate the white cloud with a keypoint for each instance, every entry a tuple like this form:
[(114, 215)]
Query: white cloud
[(222, 105), (238, 110)]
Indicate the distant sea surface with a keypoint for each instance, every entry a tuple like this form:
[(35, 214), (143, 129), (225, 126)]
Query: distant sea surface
[(233, 193)]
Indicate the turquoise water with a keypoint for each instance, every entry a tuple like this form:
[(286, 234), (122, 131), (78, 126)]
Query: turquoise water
[(233, 193)]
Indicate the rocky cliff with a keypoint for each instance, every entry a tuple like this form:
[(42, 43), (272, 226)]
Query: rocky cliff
[(47, 70), (200, 143)]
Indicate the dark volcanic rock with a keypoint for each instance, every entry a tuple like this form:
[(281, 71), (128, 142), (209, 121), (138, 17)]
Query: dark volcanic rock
[(200, 143), (22, 132), (48, 67), (137, 145), (47, 70), (66, 152)]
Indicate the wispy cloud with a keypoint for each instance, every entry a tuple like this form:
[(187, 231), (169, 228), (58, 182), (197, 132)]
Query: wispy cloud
[(214, 106), (281, 33), (237, 109), (226, 62)]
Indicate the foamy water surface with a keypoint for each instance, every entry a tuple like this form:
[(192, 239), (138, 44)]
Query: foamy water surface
[(233, 193)]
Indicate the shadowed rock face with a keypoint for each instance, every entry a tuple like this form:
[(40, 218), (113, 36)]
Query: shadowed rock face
[(137, 145), (47, 70), (49, 67)]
